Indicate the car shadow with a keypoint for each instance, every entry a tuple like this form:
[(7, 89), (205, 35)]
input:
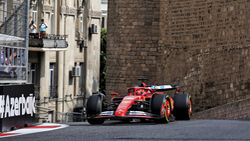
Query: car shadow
[(119, 123)]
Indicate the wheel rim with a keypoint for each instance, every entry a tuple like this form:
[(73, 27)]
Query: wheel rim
[(190, 107), (165, 110), (168, 110)]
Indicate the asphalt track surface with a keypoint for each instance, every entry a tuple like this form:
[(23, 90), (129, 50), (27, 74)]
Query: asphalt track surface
[(193, 130)]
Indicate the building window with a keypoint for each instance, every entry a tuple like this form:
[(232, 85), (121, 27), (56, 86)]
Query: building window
[(81, 24), (34, 12), (81, 79), (52, 88), (34, 16), (52, 19), (53, 4), (103, 22), (4, 11), (32, 73), (52, 23)]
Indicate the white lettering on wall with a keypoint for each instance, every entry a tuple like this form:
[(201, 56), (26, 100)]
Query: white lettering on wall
[(7, 106), (12, 108), (2, 103), (17, 106), (17, 110)]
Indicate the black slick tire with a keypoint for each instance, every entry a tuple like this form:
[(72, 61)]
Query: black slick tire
[(158, 100), (94, 107), (182, 107)]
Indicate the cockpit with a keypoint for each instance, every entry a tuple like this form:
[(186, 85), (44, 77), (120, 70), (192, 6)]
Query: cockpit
[(138, 91)]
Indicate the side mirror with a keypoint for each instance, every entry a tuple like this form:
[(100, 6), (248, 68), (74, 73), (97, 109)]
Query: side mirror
[(114, 94)]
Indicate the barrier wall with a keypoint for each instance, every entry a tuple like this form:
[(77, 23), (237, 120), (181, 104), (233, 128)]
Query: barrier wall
[(236, 110), (17, 106)]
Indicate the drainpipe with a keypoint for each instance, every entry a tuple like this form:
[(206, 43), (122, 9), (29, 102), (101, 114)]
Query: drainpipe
[(86, 14), (27, 38), (60, 65), (64, 54)]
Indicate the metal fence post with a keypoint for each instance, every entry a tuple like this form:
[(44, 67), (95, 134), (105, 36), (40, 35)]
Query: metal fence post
[(27, 37)]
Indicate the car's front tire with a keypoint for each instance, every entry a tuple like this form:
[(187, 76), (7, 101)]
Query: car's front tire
[(94, 107), (161, 106)]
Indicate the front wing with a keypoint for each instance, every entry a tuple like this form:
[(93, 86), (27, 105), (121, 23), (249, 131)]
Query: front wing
[(129, 114)]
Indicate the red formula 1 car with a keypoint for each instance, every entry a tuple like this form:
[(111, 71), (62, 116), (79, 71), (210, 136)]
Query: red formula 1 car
[(143, 102)]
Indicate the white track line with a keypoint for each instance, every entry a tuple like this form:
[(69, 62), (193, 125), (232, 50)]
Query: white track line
[(35, 129)]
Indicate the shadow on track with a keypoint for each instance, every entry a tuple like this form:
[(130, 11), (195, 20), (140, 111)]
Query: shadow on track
[(119, 123)]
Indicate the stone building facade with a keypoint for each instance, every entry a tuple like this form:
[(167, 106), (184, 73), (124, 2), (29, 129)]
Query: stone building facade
[(72, 46), (204, 46), (56, 78)]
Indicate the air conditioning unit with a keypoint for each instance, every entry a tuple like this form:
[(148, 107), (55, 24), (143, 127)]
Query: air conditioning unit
[(76, 71), (93, 29)]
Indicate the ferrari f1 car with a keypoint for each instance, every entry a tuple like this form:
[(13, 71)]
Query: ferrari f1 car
[(143, 102)]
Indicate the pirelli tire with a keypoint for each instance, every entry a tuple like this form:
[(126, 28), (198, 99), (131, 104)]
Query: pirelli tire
[(161, 106), (94, 107), (182, 107)]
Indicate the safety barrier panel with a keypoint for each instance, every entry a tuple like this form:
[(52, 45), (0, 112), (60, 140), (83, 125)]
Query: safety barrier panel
[(17, 106)]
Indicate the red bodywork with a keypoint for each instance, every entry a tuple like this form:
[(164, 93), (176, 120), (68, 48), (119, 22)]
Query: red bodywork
[(135, 95)]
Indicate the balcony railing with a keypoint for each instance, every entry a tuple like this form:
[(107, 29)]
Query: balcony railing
[(51, 41)]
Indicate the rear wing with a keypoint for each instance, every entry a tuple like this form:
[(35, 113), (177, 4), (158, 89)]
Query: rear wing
[(164, 87)]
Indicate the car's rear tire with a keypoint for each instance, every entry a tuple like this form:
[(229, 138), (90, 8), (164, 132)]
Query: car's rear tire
[(161, 106), (182, 107), (94, 107)]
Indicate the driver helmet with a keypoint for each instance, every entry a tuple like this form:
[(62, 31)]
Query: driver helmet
[(140, 92)]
